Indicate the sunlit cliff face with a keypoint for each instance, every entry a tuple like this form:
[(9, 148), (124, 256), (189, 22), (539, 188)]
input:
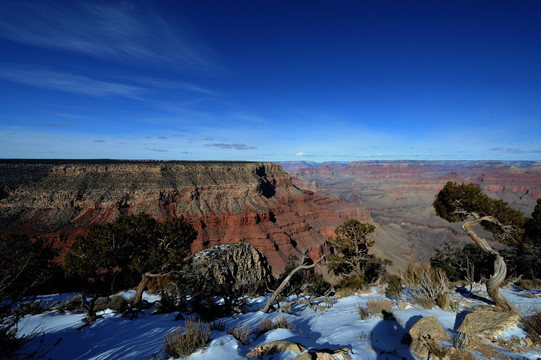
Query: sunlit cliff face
[(227, 202)]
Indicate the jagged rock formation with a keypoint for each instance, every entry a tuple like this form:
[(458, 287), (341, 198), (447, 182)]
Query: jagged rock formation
[(227, 202), (240, 266), (399, 196)]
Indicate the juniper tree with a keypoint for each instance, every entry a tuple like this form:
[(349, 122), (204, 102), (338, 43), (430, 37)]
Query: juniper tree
[(468, 204), (131, 246), (350, 248)]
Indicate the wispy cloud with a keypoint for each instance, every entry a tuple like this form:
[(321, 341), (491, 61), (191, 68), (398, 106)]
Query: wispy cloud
[(115, 30), (513, 150), (174, 85), (59, 125), (231, 146), (60, 81), (303, 154), (99, 141), (251, 119)]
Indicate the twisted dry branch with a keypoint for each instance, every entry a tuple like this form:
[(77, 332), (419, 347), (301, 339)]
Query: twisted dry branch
[(500, 269)]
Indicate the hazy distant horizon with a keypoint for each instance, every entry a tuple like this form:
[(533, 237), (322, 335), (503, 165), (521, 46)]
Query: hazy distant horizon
[(90, 160), (271, 80)]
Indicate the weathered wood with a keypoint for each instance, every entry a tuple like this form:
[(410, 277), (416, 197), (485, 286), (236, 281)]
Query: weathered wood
[(500, 269), (284, 283)]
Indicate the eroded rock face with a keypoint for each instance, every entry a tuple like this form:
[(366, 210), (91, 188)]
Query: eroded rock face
[(227, 202), (240, 266)]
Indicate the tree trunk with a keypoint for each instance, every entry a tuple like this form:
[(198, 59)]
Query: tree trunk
[(284, 283), (145, 279), (500, 269)]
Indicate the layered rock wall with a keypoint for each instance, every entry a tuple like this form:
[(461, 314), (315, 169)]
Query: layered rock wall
[(227, 202)]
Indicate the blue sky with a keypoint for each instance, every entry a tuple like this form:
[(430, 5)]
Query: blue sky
[(271, 80)]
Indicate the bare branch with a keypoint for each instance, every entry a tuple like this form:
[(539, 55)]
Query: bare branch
[(284, 283)]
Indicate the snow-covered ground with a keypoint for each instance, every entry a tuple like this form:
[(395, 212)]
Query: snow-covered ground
[(116, 337)]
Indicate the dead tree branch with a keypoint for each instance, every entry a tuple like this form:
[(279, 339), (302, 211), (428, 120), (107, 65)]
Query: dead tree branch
[(500, 269), (284, 283)]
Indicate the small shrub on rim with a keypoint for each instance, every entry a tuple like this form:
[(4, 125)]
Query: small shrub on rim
[(240, 332), (218, 325), (532, 325), (179, 343), (424, 284), (442, 299), (279, 323), (376, 306), (363, 312)]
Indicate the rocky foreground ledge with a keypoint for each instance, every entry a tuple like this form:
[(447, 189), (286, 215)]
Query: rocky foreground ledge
[(227, 202)]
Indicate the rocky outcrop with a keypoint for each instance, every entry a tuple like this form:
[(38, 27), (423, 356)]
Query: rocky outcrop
[(240, 266), (424, 335), (273, 347), (227, 202)]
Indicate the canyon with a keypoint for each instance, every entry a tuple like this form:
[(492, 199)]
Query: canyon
[(399, 194), (282, 209), (226, 202)]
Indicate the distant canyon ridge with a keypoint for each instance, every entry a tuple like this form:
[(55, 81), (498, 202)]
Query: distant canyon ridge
[(259, 203), (398, 195)]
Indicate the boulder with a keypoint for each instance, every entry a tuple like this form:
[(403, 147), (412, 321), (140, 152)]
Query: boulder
[(339, 354), (487, 323), (423, 334), (284, 345), (274, 347), (233, 268)]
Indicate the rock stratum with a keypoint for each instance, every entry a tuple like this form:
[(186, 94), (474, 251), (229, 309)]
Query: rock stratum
[(226, 202), (399, 196)]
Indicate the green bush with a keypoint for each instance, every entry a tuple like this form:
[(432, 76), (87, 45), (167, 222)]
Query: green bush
[(353, 282), (316, 285), (26, 266), (394, 287), (181, 343)]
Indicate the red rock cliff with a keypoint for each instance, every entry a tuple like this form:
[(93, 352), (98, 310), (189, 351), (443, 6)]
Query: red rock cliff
[(227, 202)]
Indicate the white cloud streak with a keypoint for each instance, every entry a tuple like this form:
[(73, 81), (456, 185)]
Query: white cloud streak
[(59, 81), (119, 31), (231, 146)]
